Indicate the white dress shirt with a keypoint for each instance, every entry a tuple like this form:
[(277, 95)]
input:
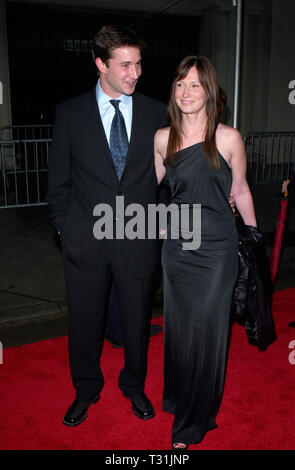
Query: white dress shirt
[(107, 110)]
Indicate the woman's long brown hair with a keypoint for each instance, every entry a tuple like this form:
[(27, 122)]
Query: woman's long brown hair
[(215, 103)]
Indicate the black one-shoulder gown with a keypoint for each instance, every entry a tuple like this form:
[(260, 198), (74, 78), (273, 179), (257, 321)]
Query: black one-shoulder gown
[(198, 287)]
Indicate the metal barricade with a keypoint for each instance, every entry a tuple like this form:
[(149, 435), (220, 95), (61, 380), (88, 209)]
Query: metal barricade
[(25, 132), (24, 163), (270, 156), (23, 167)]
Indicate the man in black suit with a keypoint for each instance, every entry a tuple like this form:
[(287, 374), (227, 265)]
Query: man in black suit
[(102, 148)]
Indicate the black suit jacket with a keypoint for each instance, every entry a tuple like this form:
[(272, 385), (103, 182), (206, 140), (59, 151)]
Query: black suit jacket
[(81, 174)]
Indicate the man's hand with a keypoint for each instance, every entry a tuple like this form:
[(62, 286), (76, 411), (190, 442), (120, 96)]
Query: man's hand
[(284, 186), (232, 202)]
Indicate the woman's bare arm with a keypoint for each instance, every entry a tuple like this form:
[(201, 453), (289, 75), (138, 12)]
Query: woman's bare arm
[(240, 188), (160, 146)]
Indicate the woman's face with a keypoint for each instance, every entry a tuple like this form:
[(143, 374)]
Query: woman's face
[(190, 96)]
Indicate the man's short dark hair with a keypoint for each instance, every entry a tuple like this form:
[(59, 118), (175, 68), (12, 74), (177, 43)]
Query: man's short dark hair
[(111, 37)]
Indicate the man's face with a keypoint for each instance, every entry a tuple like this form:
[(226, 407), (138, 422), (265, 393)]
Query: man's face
[(121, 74)]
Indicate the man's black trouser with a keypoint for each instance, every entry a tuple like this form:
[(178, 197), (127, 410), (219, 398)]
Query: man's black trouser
[(87, 297)]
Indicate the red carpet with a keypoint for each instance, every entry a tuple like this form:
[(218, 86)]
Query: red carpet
[(257, 412)]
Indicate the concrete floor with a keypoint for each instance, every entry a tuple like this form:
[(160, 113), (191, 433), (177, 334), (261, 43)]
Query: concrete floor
[(32, 291)]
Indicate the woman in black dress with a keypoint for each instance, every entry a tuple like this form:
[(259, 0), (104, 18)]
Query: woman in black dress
[(203, 161)]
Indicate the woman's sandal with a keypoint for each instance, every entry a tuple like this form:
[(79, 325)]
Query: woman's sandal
[(179, 446)]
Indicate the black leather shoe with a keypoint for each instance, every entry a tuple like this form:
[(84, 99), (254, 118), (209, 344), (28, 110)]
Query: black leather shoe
[(116, 344), (141, 405), (155, 330), (292, 324), (78, 411)]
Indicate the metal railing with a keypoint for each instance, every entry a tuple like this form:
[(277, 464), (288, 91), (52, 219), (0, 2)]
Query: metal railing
[(270, 156), (25, 132), (24, 163), (23, 166)]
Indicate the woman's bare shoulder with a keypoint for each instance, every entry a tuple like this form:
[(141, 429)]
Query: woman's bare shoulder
[(162, 135), (161, 141), (227, 134), (229, 142)]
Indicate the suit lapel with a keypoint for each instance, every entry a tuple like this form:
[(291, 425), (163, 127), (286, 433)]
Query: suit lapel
[(137, 128), (95, 125)]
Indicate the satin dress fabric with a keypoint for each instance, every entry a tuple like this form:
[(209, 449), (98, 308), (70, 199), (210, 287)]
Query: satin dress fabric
[(198, 288)]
